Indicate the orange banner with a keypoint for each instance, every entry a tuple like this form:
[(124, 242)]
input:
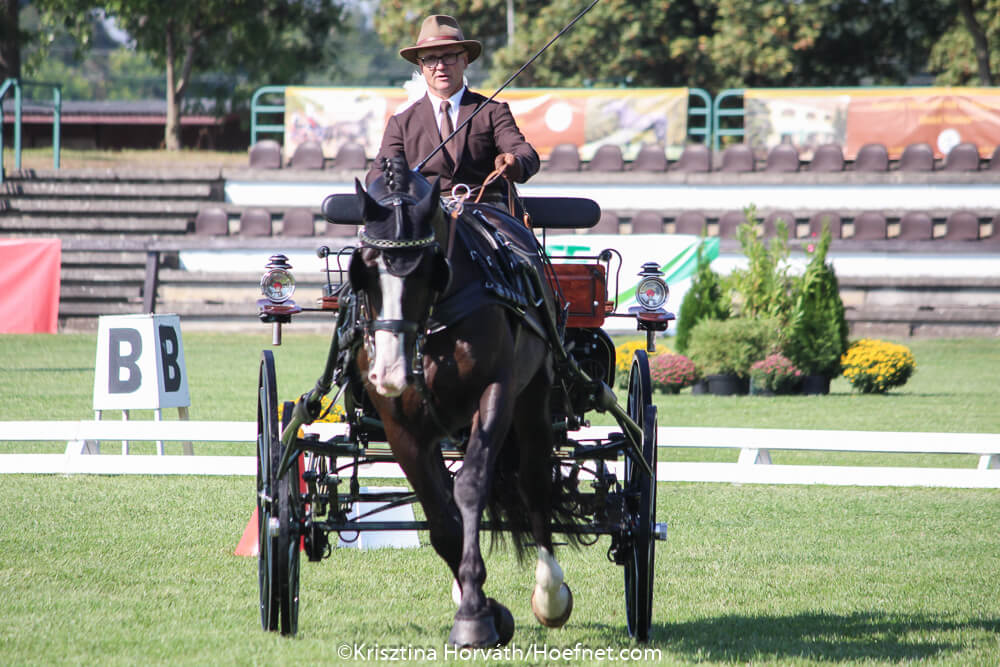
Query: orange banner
[(547, 117), (853, 117), (29, 271)]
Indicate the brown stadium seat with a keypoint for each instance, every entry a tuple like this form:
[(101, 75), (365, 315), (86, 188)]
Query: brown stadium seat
[(995, 160), (782, 158), (872, 157), (211, 221), (694, 158), (564, 157), (651, 157), (962, 226), (690, 222), (298, 222), (265, 154), (351, 156), (647, 222), (963, 157), (916, 226), (994, 236), (729, 224), (917, 157), (828, 157), (816, 224), (771, 223), (608, 224), (307, 155), (870, 226), (737, 158), (255, 221), (607, 157)]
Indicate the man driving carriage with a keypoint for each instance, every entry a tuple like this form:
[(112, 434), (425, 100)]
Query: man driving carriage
[(490, 141)]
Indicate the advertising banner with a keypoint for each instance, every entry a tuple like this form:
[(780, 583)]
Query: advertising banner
[(29, 271), (852, 117), (547, 117)]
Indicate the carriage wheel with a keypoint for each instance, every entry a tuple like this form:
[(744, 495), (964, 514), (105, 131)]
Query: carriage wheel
[(641, 498), (278, 559)]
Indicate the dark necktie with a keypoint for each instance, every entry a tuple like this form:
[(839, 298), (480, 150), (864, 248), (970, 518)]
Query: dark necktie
[(447, 129)]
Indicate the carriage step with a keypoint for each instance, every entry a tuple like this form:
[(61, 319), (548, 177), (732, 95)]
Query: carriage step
[(660, 531)]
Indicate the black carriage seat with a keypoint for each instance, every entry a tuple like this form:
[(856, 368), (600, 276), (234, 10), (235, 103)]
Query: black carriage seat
[(546, 212)]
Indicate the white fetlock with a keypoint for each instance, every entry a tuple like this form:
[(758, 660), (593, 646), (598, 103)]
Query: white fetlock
[(456, 592), (551, 600)]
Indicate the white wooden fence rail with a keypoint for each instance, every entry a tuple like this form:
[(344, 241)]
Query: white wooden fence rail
[(752, 467)]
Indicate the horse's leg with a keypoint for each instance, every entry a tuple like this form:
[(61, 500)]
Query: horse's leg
[(551, 599), (474, 621)]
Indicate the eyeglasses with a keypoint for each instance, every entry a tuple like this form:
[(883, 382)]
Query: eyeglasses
[(430, 62)]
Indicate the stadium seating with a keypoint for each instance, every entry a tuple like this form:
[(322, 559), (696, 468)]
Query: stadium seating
[(608, 224), (816, 224), (211, 221), (872, 157), (995, 160), (307, 155), (651, 157), (771, 222), (255, 221), (691, 222), (564, 157), (963, 157), (962, 226), (694, 158), (298, 222), (870, 226), (351, 156), (737, 158), (607, 157), (782, 158), (265, 154), (729, 224), (917, 157), (916, 226), (647, 222), (828, 157)]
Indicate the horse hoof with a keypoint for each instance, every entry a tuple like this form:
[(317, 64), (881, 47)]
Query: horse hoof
[(503, 621), (560, 620), (474, 632)]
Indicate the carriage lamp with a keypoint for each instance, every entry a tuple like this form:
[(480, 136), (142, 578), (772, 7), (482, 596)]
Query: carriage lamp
[(277, 284), (652, 292)]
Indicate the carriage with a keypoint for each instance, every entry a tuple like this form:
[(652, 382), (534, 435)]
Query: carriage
[(308, 485)]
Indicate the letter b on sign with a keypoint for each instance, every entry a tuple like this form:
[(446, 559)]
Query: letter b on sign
[(140, 363)]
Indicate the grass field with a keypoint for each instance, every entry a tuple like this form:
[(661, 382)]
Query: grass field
[(126, 570)]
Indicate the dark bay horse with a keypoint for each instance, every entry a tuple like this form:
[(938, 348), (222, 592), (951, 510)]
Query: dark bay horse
[(443, 360)]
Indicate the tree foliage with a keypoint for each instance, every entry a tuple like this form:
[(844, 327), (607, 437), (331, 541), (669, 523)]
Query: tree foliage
[(956, 56)]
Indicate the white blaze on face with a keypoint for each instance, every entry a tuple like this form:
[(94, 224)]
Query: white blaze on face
[(387, 370)]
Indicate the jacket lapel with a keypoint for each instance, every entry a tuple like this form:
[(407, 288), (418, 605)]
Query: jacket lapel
[(465, 110)]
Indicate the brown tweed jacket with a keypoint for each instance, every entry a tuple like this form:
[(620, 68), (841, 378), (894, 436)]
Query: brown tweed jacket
[(414, 134)]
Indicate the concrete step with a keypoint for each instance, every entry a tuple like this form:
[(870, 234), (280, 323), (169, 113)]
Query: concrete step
[(81, 258), (109, 190), (100, 292), (47, 224), (126, 174), (102, 275), (136, 207)]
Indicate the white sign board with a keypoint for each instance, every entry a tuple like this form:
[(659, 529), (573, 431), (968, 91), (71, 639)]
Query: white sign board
[(140, 363)]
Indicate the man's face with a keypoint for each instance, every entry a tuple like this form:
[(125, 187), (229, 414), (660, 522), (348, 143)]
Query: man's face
[(443, 80)]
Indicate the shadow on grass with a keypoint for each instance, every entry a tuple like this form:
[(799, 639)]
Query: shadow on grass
[(857, 636)]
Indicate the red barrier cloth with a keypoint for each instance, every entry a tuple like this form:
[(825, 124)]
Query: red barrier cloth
[(29, 285)]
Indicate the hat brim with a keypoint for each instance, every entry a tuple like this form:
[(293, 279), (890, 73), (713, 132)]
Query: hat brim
[(471, 46)]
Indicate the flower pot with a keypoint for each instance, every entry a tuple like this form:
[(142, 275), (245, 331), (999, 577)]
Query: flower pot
[(759, 390), (727, 385), (700, 387), (816, 385)]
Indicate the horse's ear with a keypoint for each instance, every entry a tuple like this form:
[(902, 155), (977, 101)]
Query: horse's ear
[(356, 271), (425, 207), (440, 273), (370, 209)]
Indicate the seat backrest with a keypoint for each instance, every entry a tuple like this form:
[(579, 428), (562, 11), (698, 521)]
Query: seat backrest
[(994, 236), (995, 160), (647, 222), (265, 154), (729, 224), (816, 224), (737, 158), (607, 157), (351, 156), (211, 221), (298, 222), (782, 158), (690, 222), (870, 226), (564, 157), (771, 223), (307, 155), (872, 157), (694, 158), (962, 226), (255, 221), (962, 157), (917, 157), (608, 224), (651, 157), (916, 226), (827, 157)]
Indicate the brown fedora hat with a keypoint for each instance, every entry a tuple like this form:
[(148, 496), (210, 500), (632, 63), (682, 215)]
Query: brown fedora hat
[(441, 30)]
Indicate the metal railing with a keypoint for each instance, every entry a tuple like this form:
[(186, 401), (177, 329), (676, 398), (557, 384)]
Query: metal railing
[(15, 85)]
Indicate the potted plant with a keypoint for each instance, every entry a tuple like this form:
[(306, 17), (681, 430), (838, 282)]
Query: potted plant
[(775, 374), (764, 288), (817, 331), (876, 366), (723, 350), (672, 372), (705, 299)]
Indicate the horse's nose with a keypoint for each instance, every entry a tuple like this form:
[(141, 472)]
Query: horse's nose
[(384, 385)]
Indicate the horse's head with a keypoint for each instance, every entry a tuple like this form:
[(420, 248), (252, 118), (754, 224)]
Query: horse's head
[(398, 271)]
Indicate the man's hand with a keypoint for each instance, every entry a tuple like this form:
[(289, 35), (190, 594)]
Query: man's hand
[(508, 165)]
